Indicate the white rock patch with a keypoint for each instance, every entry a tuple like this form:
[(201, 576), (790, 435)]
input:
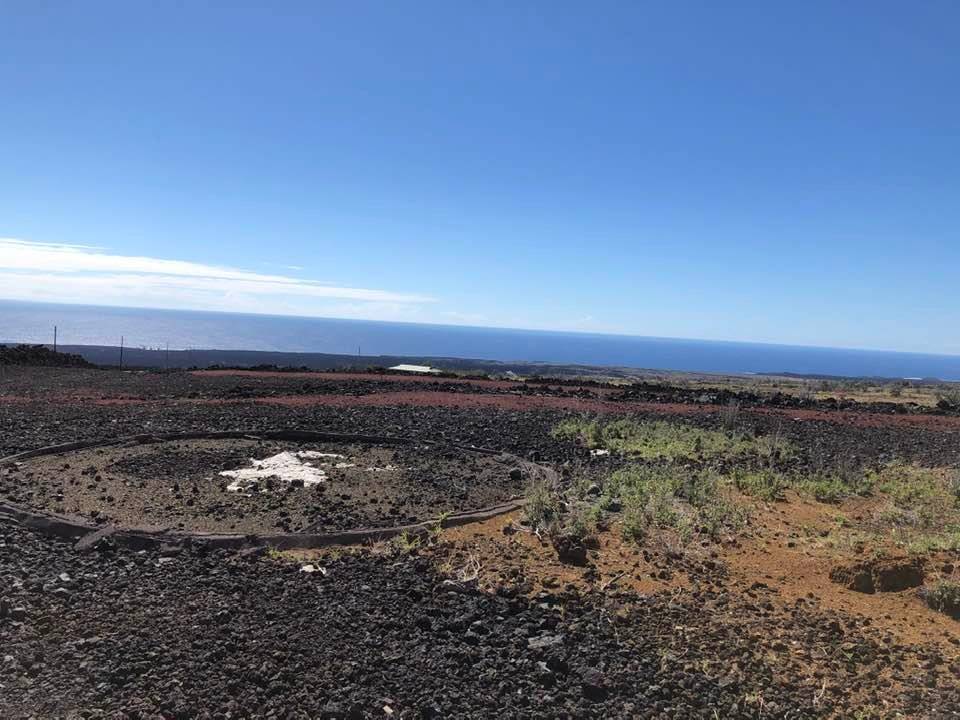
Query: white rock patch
[(286, 466), (315, 454), (290, 467)]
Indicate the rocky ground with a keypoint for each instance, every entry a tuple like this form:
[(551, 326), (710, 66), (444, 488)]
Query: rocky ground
[(181, 484), (479, 622), (210, 634)]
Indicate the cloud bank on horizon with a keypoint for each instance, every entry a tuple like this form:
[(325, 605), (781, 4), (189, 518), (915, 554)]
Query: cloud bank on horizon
[(64, 273)]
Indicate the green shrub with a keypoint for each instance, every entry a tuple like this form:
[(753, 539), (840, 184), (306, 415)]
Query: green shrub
[(949, 394), (946, 540), (581, 429), (543, 504), (925, 493), (907, 485), (953, 486), (832, 484), (825, 488), (580, 522), (943, 596), (634, 522), (666, 497), (405, 543), (730, 415), (764, 484), (720, 516)]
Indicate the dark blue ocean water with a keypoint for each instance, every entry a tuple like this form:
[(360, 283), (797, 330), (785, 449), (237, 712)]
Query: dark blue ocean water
[(87, 325)]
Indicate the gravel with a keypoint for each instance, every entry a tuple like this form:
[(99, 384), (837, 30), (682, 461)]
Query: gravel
[(186, 634)]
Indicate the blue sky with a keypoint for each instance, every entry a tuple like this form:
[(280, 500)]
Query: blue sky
[(779, 172)]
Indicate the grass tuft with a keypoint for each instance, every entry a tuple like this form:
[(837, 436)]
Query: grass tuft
[(765, 484), (543, 504), (924, 494)]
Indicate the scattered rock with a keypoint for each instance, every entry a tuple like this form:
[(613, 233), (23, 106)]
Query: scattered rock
[(544, 641), (310, 569), (569, 549), (92, 540)]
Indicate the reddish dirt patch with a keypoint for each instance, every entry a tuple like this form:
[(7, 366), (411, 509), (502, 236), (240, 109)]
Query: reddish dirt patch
[(771, 564), (790, 553), (502, 553), (462, 400), (863, 419), (115, 401), (510, 555), (370, 377), (73, 399)]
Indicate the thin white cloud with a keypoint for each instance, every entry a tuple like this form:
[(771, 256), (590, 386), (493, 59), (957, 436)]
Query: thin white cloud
[(80, 274)]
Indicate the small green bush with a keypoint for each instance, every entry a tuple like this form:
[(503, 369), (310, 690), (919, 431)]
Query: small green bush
[(907, 485), (720, 516), (953, 486), (730, 415), (635, 522), (946, 540), (834, 484), (943, 596), (925, 493), (666, 497), (580, 522), (543, 504), (765, 484), (950, 395), (825, 488)]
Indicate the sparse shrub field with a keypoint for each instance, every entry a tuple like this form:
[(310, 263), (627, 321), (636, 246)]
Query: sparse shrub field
[(911, 507)]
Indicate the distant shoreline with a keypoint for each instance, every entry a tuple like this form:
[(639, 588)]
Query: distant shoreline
[(232, 339), (153, 359)]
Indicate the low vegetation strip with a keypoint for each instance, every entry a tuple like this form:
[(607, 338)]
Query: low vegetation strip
[(697, 483), (659, 439)]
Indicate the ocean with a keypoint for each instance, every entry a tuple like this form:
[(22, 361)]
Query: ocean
[(182, 330)]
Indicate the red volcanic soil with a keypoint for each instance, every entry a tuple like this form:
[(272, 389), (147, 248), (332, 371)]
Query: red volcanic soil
[(370, 377), (865, 419), (464, 400)]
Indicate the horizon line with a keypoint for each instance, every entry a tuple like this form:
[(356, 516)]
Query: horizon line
[(489, 327)]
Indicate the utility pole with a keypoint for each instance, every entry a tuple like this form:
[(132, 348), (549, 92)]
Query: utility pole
[(166, 358), (121, 352), (54, 338)]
